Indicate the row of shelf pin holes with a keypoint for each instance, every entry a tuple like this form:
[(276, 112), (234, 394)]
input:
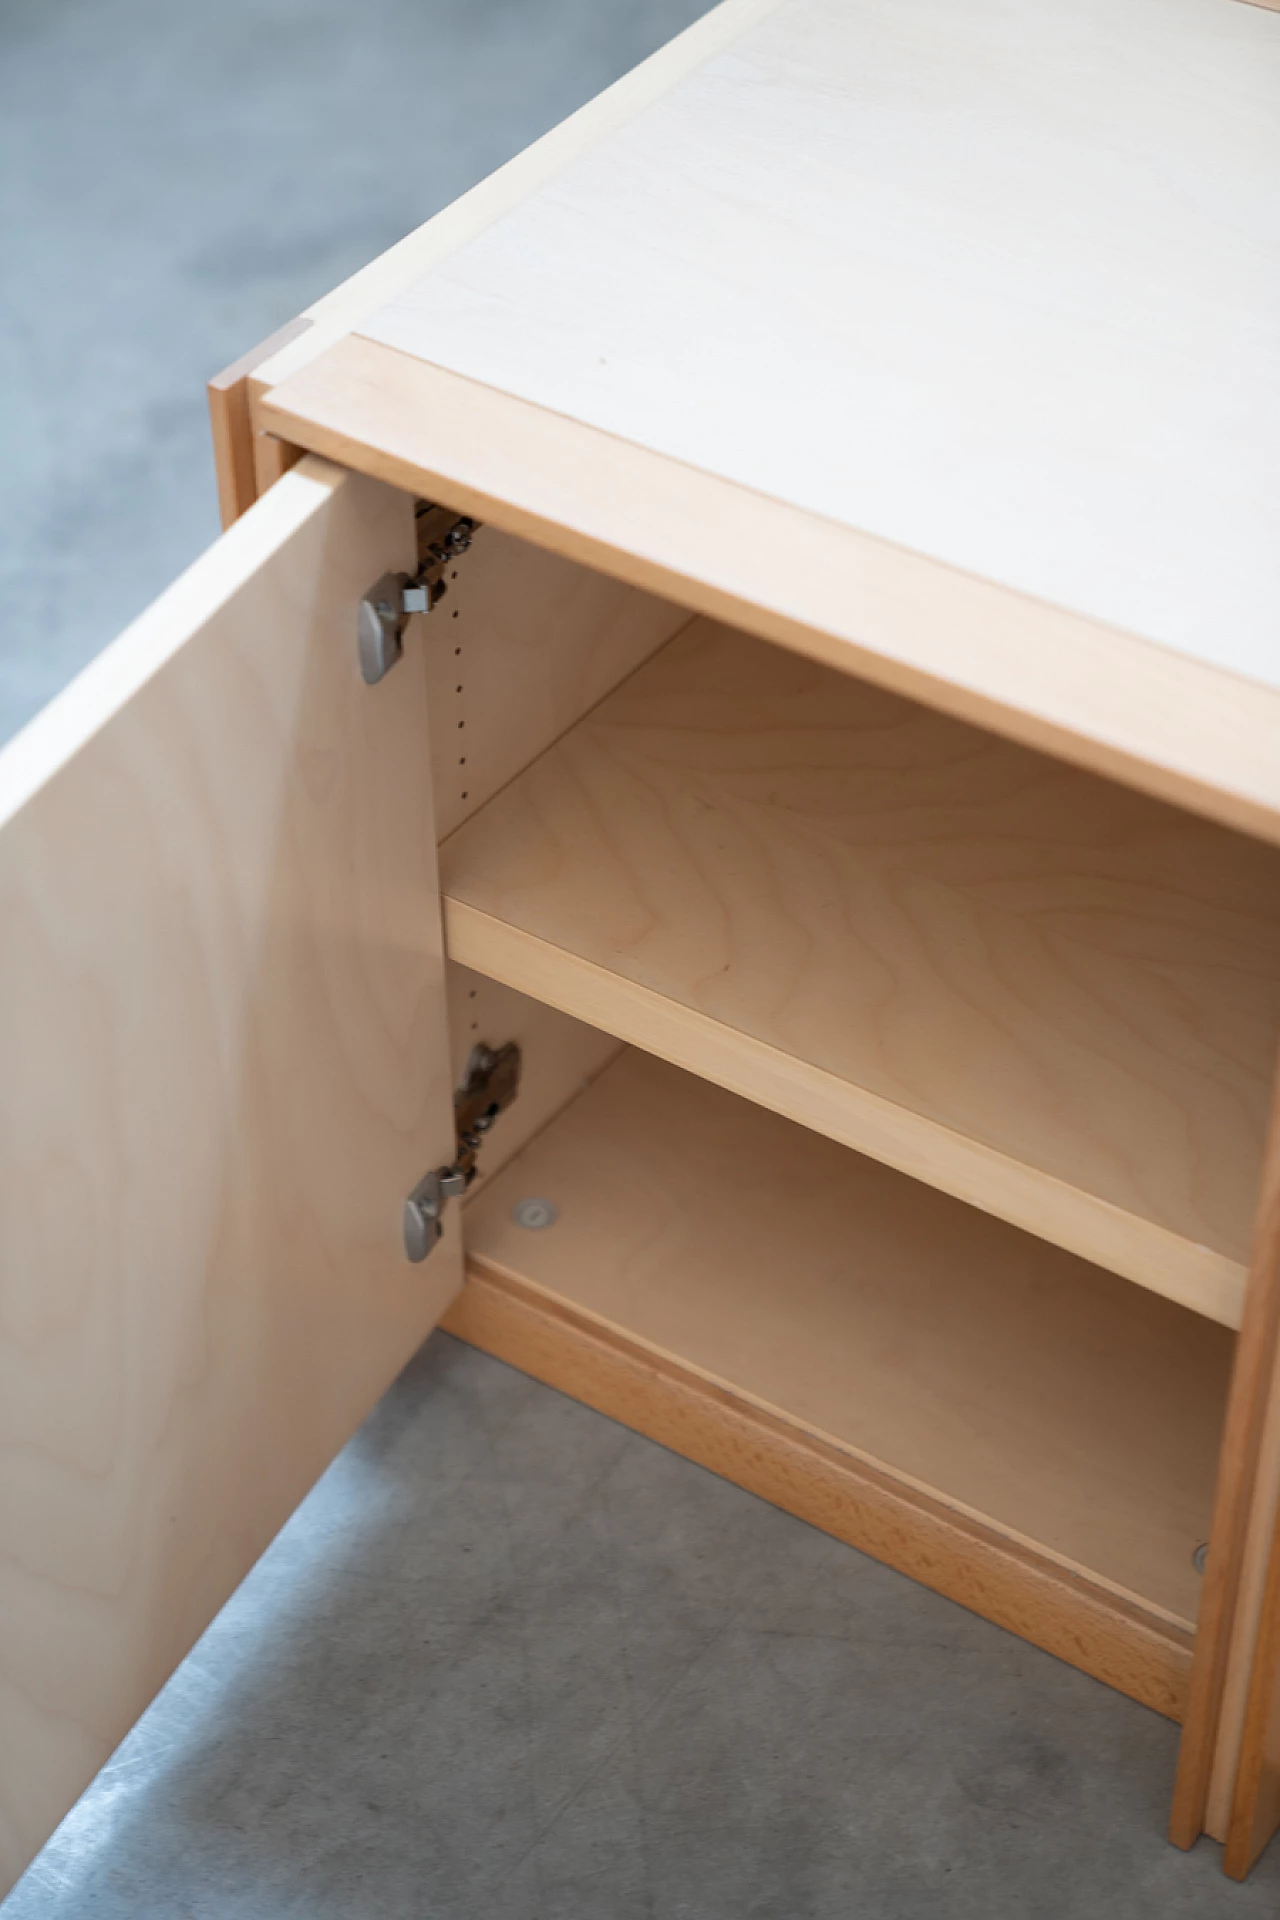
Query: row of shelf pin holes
[(531, 1213), (457, 652), (462, 761)]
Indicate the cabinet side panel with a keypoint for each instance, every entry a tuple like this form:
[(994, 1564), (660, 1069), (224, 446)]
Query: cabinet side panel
[(223, 1063)]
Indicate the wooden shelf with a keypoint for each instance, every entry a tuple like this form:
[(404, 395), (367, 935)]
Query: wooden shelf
[(1050, 996), (918, 1345)]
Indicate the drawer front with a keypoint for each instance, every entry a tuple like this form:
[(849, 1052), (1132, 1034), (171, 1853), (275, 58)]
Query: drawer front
[(223, 1064)]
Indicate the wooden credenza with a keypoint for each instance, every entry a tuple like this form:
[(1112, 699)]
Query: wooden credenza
[(845, 758)]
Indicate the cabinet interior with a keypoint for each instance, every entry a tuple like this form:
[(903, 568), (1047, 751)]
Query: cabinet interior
[(1034, 1393), (1054, 997), (870, 1058)]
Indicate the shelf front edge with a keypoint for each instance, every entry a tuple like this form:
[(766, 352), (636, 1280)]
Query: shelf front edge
[(1151, 1256)]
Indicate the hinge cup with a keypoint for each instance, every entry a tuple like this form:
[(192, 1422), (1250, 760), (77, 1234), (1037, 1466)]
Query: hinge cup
[(491, 1084)]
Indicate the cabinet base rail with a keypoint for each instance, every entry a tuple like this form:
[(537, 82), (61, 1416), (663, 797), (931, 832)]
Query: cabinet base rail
[(1086, 1625)]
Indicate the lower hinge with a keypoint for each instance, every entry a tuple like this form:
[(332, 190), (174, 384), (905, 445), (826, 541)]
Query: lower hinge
[(443, 536), (492, 1083)]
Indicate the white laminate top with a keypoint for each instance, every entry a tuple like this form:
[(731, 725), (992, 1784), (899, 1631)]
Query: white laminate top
[(996, 280)]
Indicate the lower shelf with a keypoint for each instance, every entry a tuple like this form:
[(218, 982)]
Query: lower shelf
[(1025, 1433)]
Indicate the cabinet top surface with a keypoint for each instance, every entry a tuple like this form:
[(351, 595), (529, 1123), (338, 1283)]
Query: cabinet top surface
[(998, 282)]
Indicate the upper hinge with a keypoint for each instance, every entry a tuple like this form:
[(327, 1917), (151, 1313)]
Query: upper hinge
[(443, 537), (491, 1084)]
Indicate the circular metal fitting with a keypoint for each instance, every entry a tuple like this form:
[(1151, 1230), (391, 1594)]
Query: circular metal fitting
[(535, 1213)]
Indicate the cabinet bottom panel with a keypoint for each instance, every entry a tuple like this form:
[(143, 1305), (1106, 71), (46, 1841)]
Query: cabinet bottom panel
[(1023, 1432)]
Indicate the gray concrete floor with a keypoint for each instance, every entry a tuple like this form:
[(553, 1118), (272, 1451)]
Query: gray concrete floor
[(508, 1659), (511, 1661), (177, 180)]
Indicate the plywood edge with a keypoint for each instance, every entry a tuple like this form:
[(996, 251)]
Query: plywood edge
[(113, 677), (1246, 1497), (1194, 1276), (232, 427), (1094, 695), (1089, 1627), (1255, 1811)]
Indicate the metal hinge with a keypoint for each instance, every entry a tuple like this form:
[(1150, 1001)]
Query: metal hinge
[(443, 536), (492, 1083)]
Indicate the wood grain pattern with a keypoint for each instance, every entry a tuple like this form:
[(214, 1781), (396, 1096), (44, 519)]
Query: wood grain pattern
[(523, 645), (1040, 1397), (1116, 1642), (1173, 1267), (1098, 697), (219, 947), (957, 276), (232, 427), (1047, 995)]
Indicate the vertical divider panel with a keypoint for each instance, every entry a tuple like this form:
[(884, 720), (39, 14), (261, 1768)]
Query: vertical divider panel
[(1236, 1591), (1255, 1810)]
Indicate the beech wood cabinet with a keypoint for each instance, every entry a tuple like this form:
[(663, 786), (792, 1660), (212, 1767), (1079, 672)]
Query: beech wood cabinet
[(845, 757)]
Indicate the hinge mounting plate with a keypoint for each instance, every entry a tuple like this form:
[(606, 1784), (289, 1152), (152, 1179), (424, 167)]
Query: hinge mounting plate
[(491, 1083), (443, 537)]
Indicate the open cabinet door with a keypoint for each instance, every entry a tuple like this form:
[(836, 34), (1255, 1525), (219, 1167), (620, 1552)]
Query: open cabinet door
[(223, 1066)]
